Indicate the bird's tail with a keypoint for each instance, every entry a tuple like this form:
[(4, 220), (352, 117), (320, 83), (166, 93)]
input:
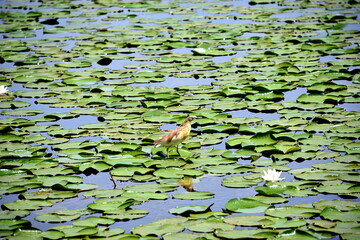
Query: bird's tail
[(156, 143)]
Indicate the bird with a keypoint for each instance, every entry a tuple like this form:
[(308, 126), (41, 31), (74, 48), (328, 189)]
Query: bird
[(176, 136)]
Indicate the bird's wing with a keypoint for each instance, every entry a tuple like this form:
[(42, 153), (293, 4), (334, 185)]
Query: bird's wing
[(167, 139)]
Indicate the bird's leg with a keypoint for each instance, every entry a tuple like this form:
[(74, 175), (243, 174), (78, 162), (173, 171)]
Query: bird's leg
[(167, 152), (177, 149)]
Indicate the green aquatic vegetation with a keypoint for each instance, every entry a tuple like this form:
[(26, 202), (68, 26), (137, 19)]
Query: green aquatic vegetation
[(274, 84)]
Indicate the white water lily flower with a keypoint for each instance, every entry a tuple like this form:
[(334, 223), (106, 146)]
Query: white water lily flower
[(272, 175), (3, 89), (200, 50)]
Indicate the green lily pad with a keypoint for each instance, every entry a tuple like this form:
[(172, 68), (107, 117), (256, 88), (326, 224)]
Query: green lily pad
[(51, 194), (177, 173), (250, 221), (315, 98), (239, 182), (226, 169), (60, 216), (111, 205), (74, 231), (125, 215), (103, 193), (129, 171), (186, 210), (73, 64), (160, 227), (292, 211), (26, 204), (11, 224), (338, 204), (260, 139), (246, 234), (334, 214), (297, 234), (246, 205), (285, 223), (7, 214), (22, 112), (151, 187), (208, 226), (220, 128), (194, 195), (93, 221), (338, 189)]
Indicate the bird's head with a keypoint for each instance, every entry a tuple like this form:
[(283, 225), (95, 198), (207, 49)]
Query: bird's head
[(190, 118)]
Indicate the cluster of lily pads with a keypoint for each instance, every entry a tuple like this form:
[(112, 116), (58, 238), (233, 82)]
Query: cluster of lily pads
[(135, 66)]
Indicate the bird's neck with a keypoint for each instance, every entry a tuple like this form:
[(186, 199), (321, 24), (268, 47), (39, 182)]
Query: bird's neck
[(186, 122)]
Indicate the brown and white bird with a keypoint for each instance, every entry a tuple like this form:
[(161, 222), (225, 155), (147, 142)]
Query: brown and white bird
[(176, 136)]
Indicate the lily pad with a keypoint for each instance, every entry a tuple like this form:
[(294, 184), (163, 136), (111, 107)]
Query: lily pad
[(194, 195), (186, 210), (208, 226), (246, 234), (26, 204), (292, 211), (246, 205), (160, 227), (334, 214)]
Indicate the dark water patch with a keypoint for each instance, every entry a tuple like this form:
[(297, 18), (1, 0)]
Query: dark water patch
[(342, 82), (246, 113), (352, 26), (350, 107), (289, 15), (328, 59), (5, 198), (173, 82), (291, 96)]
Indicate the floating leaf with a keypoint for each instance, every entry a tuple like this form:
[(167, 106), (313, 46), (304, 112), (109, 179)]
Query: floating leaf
[(10, 224), (177, 173), (160, 227), (151, 187), (125, 215), (93, 221), (297, 234), (238, 182), (246, 205), (186, 210), (314, 98), (111, 205), (129, 171), (275, 190), (334, 214), (208, 226), (13, 214), (246, 234), (26, 204), (292, 211), (194, 195), (74, 231)]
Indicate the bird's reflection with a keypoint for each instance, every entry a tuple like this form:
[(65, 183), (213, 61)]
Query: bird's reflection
[(187, 183)]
